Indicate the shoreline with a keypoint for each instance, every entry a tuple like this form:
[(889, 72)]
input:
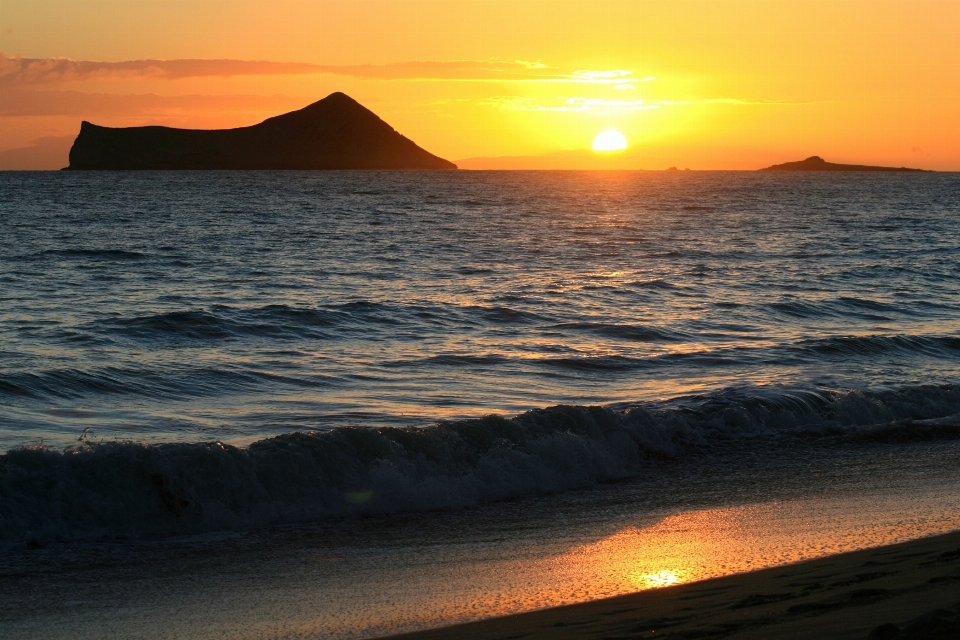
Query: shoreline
[(914, 586)]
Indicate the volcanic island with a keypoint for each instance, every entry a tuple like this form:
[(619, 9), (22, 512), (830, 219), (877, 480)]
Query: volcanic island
[(816, 163), (336, 132)]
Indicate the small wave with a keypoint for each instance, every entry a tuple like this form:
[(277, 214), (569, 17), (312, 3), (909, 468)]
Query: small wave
[(847, 307), (449, 360), (268, 321), (276, 321), (657, 283), (863, 303), (153, 490), (95, 254), (187, 324), (372, 312), (503, 315), (63, 383), (616, 363), (171, 384), (76, 337), (635, 333), (799, 309), (595, 363), (469, 360), (472, 271), (866, 345), (304, 317)]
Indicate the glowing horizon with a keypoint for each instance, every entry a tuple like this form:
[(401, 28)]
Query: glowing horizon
[(732, 84)]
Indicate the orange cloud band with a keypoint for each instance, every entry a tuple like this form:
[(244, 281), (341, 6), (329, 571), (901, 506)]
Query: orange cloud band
[(21, 102), (19, 71)]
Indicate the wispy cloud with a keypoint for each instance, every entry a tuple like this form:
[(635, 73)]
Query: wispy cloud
[(608, 77), (731, 101), (19, 71), (620, 105), (514, 103), (511, 103), (19, 102)]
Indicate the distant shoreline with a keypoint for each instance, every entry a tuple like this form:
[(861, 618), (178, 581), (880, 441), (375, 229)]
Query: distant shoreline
[(467, 170), (816, 163)]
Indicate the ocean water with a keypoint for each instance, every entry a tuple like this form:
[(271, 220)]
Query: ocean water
[(197, 352), (337, 404)]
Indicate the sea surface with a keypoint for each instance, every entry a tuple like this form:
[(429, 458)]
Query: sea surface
[(383, 356)]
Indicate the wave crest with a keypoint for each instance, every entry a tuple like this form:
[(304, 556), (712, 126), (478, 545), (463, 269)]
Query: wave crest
[(126, 488)]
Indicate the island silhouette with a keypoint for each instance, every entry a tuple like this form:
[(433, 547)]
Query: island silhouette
[(816, 163), (336, 132)]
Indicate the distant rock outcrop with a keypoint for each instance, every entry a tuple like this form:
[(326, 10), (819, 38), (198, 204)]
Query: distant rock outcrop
[(334, 133), (816, 163)]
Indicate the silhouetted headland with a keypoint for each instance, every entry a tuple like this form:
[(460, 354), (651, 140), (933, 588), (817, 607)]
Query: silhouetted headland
[(334, 133), (816, 163)]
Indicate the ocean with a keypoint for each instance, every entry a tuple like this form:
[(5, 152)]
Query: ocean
[(455, 380)]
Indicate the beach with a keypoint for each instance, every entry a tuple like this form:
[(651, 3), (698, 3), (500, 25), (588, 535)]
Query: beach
[(376, 577), (914, 586)]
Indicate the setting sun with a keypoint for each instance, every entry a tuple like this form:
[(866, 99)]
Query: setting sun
[(609, 140)]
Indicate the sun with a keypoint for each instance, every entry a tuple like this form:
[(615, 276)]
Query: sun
[(609, 140)]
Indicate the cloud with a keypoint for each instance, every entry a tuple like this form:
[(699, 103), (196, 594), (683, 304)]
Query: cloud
[(19, 71), (619, 105), (732, 101), (617, 74), (510, 103), (30, 102), (20, 102), (529, 104), (532, 65), (513, 103)]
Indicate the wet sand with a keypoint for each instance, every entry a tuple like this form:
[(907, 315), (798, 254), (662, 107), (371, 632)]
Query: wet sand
[(373, 578), (913, 586)]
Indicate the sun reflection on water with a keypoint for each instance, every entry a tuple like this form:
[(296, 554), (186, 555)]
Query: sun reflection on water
[(663, 578), (639, 552), (708, 543)]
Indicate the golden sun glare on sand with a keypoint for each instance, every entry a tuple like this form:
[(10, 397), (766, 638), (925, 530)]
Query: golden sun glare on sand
[(609, 140)]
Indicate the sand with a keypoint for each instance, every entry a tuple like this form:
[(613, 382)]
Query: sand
[(908, 590)]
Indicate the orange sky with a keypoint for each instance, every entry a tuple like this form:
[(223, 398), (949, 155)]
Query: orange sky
[(705, 84)]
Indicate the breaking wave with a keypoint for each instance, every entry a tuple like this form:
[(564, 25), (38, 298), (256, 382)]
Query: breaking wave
[(133, 489)]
